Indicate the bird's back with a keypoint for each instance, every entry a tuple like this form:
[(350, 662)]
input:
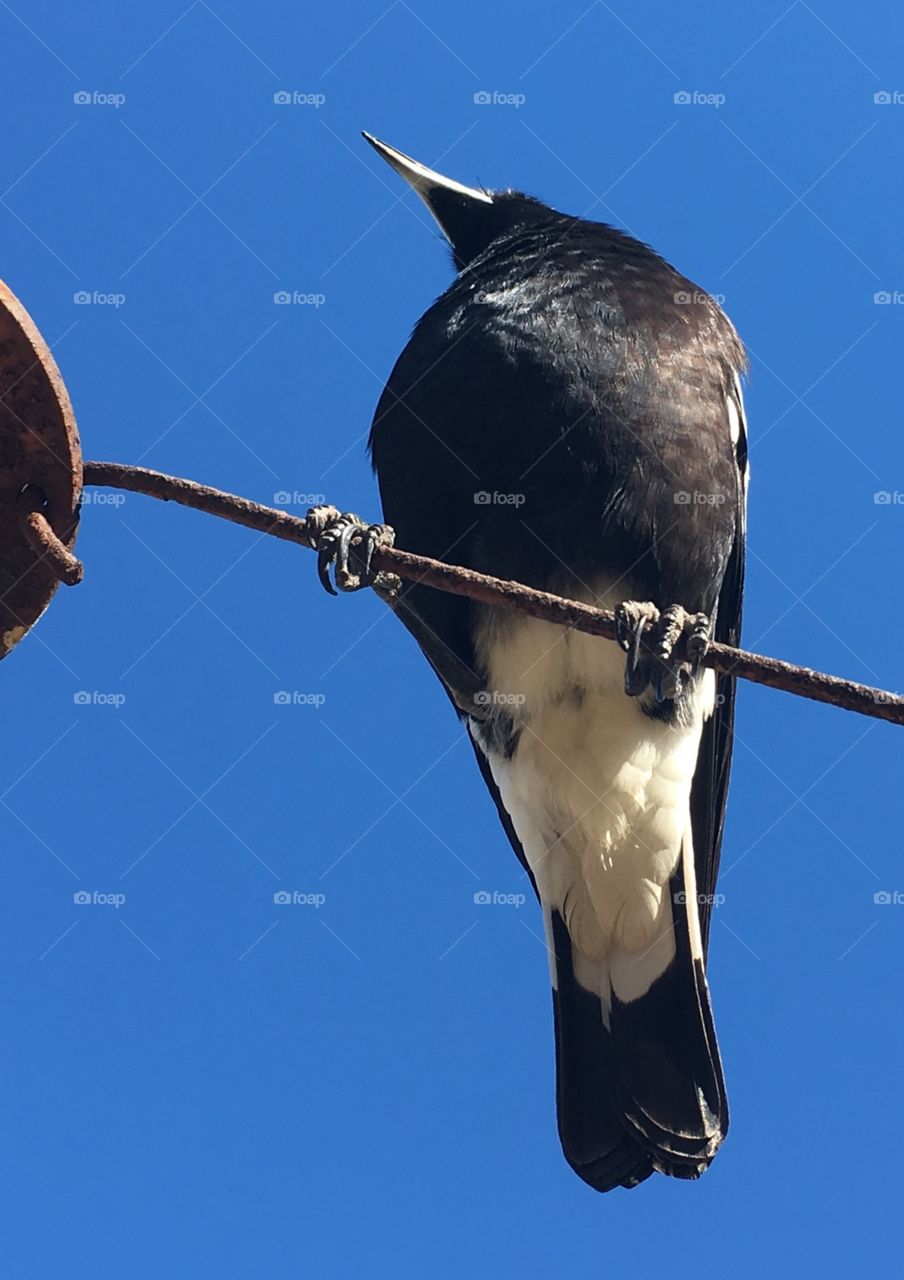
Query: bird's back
[(571, 383)]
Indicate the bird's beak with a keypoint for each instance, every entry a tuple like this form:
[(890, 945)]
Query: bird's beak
[(426, 182)]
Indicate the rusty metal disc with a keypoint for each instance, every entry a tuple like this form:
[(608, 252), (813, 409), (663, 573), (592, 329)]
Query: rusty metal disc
[(40, 472)]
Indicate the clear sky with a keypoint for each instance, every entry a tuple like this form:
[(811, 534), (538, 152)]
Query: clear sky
[(201, 1081)]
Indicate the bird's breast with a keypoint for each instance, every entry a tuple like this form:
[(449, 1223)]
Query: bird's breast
[(597, 789)]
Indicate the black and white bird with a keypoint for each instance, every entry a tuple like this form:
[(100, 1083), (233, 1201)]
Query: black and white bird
[(568, 414)]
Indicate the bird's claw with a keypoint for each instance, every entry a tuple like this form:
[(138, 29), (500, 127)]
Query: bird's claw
[(348, 544), (632, 617), (665, 648)]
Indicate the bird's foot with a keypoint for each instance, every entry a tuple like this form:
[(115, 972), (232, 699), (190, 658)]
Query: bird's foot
[(665, 648), (347, 543)]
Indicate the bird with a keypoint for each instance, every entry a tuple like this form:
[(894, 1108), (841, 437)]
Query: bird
[(568, 414)]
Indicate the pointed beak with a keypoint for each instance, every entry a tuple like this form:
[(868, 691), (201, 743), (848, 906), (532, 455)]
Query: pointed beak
[(426, 182)]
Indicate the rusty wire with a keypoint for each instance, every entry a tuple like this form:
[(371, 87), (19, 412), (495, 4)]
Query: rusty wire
[(801, 681)]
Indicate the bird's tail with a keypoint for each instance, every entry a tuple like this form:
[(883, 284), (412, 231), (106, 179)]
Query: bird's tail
[(639, 1081)]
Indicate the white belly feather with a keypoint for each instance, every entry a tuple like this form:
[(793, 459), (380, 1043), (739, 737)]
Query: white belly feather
[(598, 792)]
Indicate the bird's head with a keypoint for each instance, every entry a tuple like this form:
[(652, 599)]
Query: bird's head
[(469, 217)]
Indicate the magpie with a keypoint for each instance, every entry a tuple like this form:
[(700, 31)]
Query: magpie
[(568, 414)]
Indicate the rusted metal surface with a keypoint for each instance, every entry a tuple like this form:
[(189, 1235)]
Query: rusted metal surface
[(44, 542), (39, 453)]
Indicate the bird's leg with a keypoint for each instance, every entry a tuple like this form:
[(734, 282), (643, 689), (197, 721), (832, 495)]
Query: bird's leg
[(347, 543), (671, 652)]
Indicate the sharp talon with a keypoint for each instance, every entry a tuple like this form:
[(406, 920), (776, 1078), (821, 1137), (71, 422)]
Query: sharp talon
[(659, 687), (345, 579), (324, 560), (669, 684), (635, 670), (698, 638), (369, 546), (631, 620), (349, 545), (364, 553), (669, 655), (622, 630)]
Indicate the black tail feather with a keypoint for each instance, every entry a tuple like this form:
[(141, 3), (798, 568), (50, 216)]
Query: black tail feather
[(594, 1138), (645, 1093)]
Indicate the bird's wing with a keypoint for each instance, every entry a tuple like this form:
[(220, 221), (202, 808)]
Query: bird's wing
[(709, 791), (509, 827)]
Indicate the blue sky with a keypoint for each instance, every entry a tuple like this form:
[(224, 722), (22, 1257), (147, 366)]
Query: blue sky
[(200, 1081)]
